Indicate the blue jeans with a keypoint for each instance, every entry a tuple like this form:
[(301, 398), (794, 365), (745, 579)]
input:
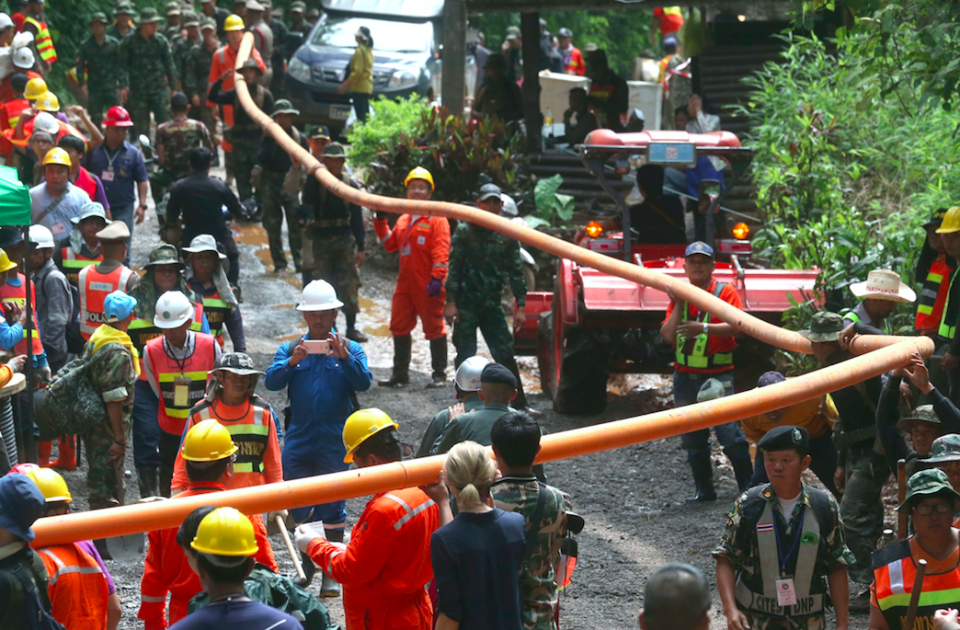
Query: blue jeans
[(124, 213), (333, 515), (146, 427), (686, 386), (823, 463)]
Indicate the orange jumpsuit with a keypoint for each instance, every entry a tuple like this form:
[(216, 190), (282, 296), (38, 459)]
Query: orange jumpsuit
[(226, 59), (386, 566), (77, 587), (424, 245), (165, 569)]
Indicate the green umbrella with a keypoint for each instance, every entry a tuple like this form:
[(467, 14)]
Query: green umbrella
[(14, 198)]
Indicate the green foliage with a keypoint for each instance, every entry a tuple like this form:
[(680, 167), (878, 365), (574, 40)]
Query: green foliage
[(845, 178), (551, 205), (390, 119), (623, 34), (454, 149)]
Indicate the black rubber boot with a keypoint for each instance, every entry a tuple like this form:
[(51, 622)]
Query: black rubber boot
[(148, 479), (309, 569), (739, 456), (520, 402), (352, 333), (703, 479), (330, 587), (438, 360), (401, 362)]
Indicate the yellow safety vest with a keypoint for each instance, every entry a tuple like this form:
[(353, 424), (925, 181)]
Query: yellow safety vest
[(43, 40)]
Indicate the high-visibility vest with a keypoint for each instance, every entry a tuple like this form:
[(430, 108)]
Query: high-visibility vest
[(933, 294), (17, 295), (893, 573), (94, 287), (168, 374), (948, 323), (141, 331), (73, 263), (14, 108), (42, 40), (250, 433), (86, 182), (693, 353), (77, 587), (217, 311)]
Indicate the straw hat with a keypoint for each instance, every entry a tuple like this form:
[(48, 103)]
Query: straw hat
[(883, 284)]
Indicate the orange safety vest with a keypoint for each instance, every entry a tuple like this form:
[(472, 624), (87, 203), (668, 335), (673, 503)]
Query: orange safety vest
[(43, 40), (141, 331), (933, 295), (893, 574), (77, 587), (217, 311), (74, 263), (17, 295), (181, 384), (94, 288), (14, 109)]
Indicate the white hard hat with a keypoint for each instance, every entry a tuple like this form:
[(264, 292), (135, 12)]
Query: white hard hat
[(173, 310), (5, 21), (41, 237), (24, 58), (509, 208), (319, 295), (45, 122), (468, 374)]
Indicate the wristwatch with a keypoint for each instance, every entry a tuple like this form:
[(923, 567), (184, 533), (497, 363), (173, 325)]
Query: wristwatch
[(705, 328), (143, 205)]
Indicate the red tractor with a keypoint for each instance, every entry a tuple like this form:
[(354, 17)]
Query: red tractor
[(593, 324)]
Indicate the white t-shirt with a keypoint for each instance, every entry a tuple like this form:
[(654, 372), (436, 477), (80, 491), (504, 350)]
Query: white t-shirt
[(787, 506), (58, 221)]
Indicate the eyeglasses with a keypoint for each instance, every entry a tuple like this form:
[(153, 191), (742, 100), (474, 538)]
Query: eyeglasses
[(927, 510)]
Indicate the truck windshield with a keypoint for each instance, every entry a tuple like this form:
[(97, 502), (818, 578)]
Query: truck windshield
[(400, 37)]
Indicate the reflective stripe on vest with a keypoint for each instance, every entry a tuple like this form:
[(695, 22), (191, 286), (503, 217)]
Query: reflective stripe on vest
[(166, 370), (698, 357), (14, 109), (17, 295), (42, 40), (63, 568), (77, 587), (410, 512), (894, 584), (141, 331), (94, 287), (249, 433), (771, 571), (929, 298), (73, 263), (948, 330), (217, 311), (933, 295)]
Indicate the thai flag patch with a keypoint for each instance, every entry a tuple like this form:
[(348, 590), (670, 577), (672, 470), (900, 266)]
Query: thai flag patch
[(764, 528)]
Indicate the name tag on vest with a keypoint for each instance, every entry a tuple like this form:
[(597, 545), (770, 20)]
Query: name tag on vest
[(102, 286)]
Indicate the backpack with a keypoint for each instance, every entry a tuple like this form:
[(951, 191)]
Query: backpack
[(70, 404), (23, 588)]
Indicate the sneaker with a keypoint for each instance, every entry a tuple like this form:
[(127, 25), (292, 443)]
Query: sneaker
[(437, 381)]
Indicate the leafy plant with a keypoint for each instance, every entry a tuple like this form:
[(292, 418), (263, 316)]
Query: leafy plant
[(551, 205), (390, 118)]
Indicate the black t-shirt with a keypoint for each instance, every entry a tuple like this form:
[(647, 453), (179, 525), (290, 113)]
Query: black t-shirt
[(659, 221), (200, 199)]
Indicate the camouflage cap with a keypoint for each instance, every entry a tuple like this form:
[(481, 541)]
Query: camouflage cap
[(251, 63), (825, 326), (923, 413), (283, 106), (173, 8), (208, 25), (123, 7), (165, 255), (149, 15), (946, 448), (191, 19), (925, 484), (99, 16), (297, 7), (334, 150), (236, 362)]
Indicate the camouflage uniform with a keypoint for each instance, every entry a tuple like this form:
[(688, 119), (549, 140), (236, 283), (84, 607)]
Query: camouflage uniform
[(280, 195), (538, 590), (333, 242), (178, 138), (104, 74), (196, 71), (739, 545), (112, 375), (479, 259), (147, 62), (440, 422), (181, 50)]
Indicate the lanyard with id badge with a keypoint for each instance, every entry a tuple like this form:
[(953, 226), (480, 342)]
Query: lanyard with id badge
[(181, 386), (108, 174), (786, 589)]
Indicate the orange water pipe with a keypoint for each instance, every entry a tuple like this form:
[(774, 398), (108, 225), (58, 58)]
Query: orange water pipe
[(361, 482)]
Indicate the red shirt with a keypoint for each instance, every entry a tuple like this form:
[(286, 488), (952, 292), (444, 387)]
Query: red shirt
[(671, 19), (715, 345)]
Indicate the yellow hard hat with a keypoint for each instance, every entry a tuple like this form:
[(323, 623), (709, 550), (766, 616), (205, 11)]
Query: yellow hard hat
[(35, 88), (48, 102), (233, 23), (207, 441), (951, 221), (57, 155), (419, 173), (5, 263), (51, 484), (225, 532), (361, 425)]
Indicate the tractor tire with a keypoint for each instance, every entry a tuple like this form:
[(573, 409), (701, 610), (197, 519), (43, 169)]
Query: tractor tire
[(572, 367)]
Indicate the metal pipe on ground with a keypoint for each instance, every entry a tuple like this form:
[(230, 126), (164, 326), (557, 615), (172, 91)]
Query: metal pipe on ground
[(744, 322), (366, 481)]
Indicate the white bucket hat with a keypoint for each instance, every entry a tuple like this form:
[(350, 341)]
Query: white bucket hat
[(204, 243), (883, 284)]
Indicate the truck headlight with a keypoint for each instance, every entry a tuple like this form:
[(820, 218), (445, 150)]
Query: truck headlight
[(299, 70), (402, 79)]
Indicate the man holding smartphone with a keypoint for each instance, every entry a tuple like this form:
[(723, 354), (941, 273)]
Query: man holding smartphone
[(322, 372)]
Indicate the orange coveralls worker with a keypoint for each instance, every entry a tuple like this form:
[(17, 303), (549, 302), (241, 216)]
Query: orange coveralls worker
[(386, 565), (77, 587), (223, 60), (165, 569), (424, 246)]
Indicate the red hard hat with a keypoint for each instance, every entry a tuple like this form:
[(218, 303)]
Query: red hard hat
[(24, 468), (117, 117)]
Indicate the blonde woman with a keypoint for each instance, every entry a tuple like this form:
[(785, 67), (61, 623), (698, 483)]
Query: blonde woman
[(478, 556), (359, 81)]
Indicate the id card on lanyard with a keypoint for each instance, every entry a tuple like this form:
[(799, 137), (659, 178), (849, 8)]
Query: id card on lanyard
[(181, 391)]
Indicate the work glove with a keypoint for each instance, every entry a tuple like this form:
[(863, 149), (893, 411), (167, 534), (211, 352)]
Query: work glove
[(304, 535), (434, 287), (272, 528)]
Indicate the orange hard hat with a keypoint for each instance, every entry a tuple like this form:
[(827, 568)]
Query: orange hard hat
[(117, 117)]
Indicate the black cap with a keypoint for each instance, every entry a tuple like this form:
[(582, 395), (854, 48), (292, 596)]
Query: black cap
[(784, 438), (489, 190), (496, 373)]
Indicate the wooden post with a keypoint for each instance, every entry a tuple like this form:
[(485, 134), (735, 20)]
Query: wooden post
[(454, 55), (530, 34)]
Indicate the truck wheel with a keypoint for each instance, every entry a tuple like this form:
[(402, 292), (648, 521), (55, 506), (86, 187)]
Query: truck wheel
[(571, 367)]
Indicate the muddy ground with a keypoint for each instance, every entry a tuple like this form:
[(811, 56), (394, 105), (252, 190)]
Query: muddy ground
[(632, 498)]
